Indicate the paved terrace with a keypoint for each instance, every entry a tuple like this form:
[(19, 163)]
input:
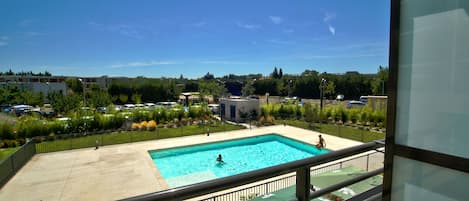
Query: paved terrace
[(120, 171)]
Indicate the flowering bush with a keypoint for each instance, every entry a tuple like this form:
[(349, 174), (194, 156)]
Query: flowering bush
[(151, 125), (143, 125), (135, 126)]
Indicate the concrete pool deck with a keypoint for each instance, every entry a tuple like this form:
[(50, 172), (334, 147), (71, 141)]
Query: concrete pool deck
[(120, 171)]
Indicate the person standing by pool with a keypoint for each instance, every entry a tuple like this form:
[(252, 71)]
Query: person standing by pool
[(97, 144)]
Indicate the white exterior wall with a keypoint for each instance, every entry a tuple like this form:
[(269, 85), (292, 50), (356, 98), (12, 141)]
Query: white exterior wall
[(241, 105)]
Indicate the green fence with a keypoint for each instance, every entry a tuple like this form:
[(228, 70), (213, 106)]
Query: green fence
[(362, 134), (84, 140), (15, 161)]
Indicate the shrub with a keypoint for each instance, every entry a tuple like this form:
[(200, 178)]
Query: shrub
[(365, 114), (31, 127), (135, 126), (151, 125), (353, 115), (6, 131), (143, 125), (57, 127), (9, 143)]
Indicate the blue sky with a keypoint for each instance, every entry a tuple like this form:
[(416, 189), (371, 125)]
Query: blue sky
[(169, 38)]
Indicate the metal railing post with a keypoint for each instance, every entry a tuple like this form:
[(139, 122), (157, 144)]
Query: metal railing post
[(367, 161), (339, 130), (362, 138), (12, 163), (302, 184)]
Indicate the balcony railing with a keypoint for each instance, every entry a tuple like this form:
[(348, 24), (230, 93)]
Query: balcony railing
[(301, 167), (287, 181)]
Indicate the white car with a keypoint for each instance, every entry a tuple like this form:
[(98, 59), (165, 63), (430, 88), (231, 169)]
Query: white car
[(340, 97)]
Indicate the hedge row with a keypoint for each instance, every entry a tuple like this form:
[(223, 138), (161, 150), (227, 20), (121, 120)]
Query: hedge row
[(29, 126)]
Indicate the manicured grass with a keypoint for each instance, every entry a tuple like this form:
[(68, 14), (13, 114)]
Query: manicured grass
[(340, 131), (4, 153), (129, 136)]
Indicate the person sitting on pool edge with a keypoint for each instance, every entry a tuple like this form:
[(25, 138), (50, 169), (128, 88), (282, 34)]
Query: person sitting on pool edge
[(321, 143), (219, 159)]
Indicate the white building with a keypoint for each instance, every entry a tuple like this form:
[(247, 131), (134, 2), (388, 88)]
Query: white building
[(36, 84), (233, 109)]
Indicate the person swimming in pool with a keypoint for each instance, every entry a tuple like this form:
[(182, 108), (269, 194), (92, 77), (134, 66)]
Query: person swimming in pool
[(220, 159)]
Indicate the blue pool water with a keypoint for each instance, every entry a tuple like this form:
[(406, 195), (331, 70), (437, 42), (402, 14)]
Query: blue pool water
[(192, 164)]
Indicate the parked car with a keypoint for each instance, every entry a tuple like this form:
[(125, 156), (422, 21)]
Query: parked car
[(21, 109), (352, 104), (128, 106), (340, 97), (102, 109), (364, 99)]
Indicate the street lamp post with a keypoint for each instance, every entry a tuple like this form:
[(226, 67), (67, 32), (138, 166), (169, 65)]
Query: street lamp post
[(83, 86), (382, 87), (48, 91), (321, 95)]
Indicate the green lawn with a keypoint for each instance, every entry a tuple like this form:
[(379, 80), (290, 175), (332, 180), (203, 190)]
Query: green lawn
[(129, 136), (340, 131), (4, 153)]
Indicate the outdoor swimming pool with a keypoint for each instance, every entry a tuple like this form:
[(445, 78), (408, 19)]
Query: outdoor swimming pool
[(193, 164)]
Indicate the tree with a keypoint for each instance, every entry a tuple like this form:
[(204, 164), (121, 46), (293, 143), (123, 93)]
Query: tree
[(64, 104), (123, 98), (311, 113), (329, 88), (280, 73), (211, 88), (378, 85), (99, 98), (271, 86), (208, 76), (247, 89), (136, 98), (274, 73), (74, 84), (191, 86)]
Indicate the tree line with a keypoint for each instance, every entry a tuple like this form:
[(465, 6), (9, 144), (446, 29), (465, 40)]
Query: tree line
[(308, 84)]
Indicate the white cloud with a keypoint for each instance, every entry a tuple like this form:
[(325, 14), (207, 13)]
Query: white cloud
[(142, 64), (248, 26), (331, 29), (33, 33), (122, 29), (199, 24), (3, 40), (276, 19), (280, 42), (328, 17), (25, 23), (308, 57), (220, 62), (126, 30)]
